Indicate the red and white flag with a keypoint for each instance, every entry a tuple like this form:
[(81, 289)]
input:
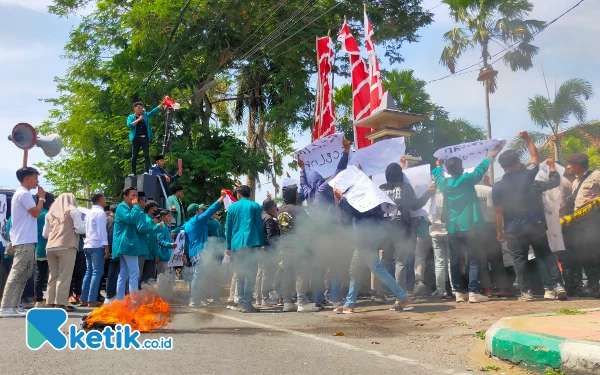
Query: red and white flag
[(171, 103), (229, 199), (361, 94), (375, 82), (324, 113)]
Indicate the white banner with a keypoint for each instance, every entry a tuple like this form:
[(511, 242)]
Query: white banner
[(3, 209), (471, 153), (375, 158), (323, 155), (360, 192), (420, 179), (177, 253)]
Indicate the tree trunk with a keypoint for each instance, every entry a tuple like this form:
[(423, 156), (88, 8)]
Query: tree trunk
[(556, 143), (488, 124), (252, 143)]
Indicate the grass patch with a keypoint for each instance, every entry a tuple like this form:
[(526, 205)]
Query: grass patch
[(431, 314), (480, 335), (567, 311), (554, 372), (463, 324), (490, 368)]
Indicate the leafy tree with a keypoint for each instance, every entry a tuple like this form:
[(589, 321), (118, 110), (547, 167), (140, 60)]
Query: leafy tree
[(491, 21), (568, 101), (201, 53)]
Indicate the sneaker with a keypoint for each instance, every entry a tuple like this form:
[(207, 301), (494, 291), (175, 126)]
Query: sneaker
[(74, 299), (461, 297), (526, 297), (40, 304), (287, 307), (10, 313), (196, 305), (273, 295), (108, 300), (269, 302), (248, 309), (310, 307), (561, 293), (420, 289), (398, 308), (476, 298), (549, 294), (232, 306), (21, 311)]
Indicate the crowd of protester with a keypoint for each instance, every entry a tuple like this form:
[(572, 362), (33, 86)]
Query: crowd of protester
[(315, 249)]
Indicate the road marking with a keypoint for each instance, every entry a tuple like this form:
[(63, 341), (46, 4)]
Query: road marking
[(404, 360)]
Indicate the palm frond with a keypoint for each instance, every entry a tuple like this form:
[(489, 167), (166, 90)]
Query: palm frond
[(514, 9), (540, 111), (570, 99), (521, 58)]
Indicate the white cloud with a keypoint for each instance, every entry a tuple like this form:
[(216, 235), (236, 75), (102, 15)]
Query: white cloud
[(37, 5)]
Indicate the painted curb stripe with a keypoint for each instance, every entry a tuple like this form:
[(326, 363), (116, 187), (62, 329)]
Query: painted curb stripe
[(529, 348)]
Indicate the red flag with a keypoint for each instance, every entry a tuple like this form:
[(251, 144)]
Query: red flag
[(360, 86), (375, 83), (324, 114)]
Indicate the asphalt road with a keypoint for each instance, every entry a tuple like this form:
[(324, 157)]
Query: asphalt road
[(436, 338)]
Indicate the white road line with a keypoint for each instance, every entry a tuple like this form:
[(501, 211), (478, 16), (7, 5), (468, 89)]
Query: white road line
[(404, 360)]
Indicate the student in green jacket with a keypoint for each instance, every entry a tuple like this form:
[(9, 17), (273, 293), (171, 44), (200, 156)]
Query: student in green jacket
[(244, 235), (463, 217), (165, 243), (148, 269), (140, 134), (130, 224)]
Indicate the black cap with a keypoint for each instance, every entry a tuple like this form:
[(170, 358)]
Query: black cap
[(577, 159), (160, 157)]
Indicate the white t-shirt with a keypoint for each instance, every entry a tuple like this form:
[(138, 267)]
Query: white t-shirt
[(23, 229), (484, 194)]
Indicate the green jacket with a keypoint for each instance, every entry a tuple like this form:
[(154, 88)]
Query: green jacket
[(244, 226), (460, 199), (40, 247), (152, 243), (130, 230), (179, 219), (147, 115), (164, 245)]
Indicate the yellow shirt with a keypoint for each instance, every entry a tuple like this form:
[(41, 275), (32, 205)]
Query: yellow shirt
[(589, 190)]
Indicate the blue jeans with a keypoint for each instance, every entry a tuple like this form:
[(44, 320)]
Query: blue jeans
[(459, 242), (245, 264), (129, 271), (94, 260)]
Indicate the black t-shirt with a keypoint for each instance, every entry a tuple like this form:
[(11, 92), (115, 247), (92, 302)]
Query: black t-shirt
[(141, 131)]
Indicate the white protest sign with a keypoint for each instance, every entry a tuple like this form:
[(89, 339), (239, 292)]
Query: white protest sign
[(289, 181), (420, 180), (362, 193), (177, 253), (322, 155), (552, 200), (3, 208), (375, 158), (471, 153)]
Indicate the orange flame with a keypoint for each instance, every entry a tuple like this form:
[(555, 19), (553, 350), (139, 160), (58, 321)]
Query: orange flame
[(143, 311)]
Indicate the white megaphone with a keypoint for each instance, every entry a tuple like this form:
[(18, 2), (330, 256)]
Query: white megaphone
[(25, 137)]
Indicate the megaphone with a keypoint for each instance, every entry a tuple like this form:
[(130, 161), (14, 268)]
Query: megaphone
[(25, 137)]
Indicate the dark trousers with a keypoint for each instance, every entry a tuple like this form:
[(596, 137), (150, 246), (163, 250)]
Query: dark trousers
[(29, 291), (490, 252), (519, 243), (78, 274), (149, 271), (41, 277), (111, 278), (464, 242), (136, 145), (581, 240)]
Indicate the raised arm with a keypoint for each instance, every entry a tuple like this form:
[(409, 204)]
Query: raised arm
[(533, 151), (553, 178)]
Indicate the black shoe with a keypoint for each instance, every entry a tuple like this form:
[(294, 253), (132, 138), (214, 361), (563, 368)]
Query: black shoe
[(249, 309)]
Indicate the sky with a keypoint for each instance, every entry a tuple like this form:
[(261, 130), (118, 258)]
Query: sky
[(32, 42)]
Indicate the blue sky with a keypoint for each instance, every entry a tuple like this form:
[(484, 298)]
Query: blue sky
[(32, 41)]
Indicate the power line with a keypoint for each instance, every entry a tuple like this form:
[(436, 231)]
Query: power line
[(508, 48)]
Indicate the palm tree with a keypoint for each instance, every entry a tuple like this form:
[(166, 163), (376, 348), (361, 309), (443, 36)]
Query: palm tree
[(568, 101), (491, 21)]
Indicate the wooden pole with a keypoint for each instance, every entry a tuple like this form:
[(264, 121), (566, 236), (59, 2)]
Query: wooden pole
[(25, 154)]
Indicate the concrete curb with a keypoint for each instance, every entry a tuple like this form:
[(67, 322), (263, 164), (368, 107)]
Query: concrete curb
[(538, 352)]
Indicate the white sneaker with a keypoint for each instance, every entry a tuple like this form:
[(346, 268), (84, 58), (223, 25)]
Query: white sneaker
[(269, 302), (561, 292), (10, 313), (476, 298), (108, 300), (21, 311), (461, 297), (309, 307), (273, 295), (287, 307), (196, 305), (550, 294)]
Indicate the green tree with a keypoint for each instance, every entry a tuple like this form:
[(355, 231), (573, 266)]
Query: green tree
[(568, 101), (197, 52), (491, 21)]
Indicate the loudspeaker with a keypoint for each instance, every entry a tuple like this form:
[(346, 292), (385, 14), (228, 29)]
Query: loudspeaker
[(51, 145), (130, 182), (150, 186), (25, 137)]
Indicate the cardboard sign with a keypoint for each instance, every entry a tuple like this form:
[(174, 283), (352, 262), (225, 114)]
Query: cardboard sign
[(323, 155), (360, 192), (471, 153), (375, 158), (177, 253)]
